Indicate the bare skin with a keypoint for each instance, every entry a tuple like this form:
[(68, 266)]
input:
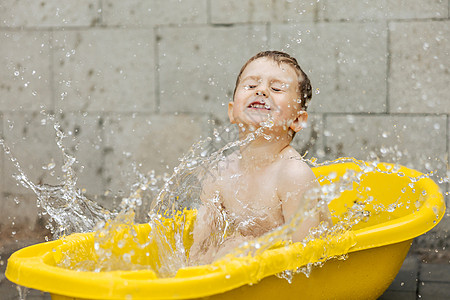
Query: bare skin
[(260, 186)]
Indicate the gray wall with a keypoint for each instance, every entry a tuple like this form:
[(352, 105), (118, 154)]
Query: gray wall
[(136, 80)]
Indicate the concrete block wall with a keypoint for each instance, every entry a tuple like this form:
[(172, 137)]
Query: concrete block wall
[(141, 80)]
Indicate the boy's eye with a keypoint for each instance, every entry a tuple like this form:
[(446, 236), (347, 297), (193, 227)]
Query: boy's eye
[(250, 86), (279, 87)]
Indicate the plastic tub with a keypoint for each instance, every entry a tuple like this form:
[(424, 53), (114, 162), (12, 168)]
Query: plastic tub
[(376, 250)]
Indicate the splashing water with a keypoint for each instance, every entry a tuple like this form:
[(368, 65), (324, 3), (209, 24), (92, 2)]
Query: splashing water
[(65, 204), (23, 292), (70, 211)]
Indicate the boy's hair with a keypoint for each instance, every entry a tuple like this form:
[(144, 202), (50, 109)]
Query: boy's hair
[(304, 85)]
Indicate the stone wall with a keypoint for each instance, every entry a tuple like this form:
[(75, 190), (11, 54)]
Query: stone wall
[(136, 80)]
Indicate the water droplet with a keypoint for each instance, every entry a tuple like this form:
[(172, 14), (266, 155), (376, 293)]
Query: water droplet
[(332, 175), (350, 119)]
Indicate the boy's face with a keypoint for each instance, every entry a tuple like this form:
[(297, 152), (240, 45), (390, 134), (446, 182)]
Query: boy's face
[(267, 90)]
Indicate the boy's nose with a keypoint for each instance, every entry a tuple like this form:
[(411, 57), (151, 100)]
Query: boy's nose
[(261, 93)]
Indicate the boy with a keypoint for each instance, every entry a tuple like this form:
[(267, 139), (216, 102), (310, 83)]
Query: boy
[(260, 186)]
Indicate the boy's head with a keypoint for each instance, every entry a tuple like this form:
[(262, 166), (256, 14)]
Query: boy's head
[(304, 84), (271, 83)]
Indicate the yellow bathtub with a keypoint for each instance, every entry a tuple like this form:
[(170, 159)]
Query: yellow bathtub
[(376, 250)]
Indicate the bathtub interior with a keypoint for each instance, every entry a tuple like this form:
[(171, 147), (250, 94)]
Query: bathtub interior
[(395, 196), (394, 193)]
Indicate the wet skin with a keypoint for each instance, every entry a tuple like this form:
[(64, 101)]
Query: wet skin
[(260, 186)]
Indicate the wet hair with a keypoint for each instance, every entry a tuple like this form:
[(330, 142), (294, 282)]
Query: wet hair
[(304, 85)]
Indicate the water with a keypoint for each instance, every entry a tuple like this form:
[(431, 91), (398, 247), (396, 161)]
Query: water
[(68, 209), (165, 198), (23, 292)]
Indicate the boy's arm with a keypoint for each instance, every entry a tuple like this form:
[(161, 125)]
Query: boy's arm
[(295, 178), (205, 225), (202, 231)]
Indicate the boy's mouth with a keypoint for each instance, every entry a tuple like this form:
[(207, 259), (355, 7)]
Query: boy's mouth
[(259, 105)]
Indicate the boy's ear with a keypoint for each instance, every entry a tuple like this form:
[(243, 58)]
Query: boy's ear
[(230, 112), (300, 121)]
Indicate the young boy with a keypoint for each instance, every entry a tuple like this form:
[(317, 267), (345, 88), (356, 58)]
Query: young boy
[(260, 186)]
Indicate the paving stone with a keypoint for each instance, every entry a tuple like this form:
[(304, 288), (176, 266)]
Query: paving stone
[(434, 290), (398, 295), (199, 65), (154, 12), (49, 13), (29, 294), (238, 11), (383, 9), (406, 279), (154, 142), (435, 272), (24, 70), (403, 139), (436, 241), (345, 62), (420, 63), (37, 295), (9, 290), (104, 70), (411, 263)]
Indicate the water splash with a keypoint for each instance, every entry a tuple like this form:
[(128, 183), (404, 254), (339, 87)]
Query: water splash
[(23, 292), (70, 211)]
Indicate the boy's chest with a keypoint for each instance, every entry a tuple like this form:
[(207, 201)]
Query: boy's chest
[(252, 194), (254, 200)]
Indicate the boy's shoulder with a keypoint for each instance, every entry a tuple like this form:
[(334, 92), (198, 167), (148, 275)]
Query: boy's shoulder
[(223, 168), (293, 169)]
